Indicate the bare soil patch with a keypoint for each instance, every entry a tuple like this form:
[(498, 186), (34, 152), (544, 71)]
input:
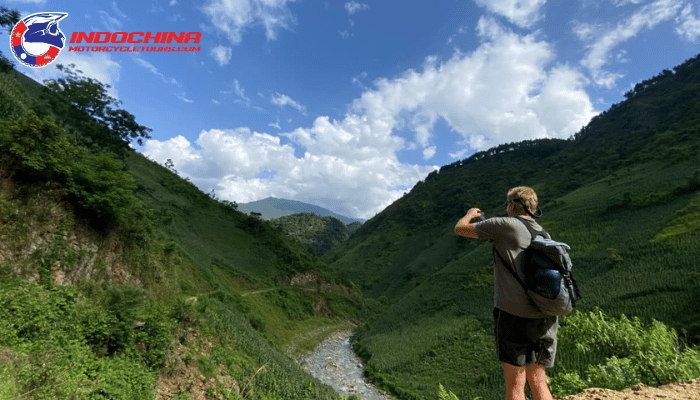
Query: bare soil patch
[(675, 391)]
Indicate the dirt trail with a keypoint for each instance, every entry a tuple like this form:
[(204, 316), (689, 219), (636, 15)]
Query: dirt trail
[(675, 391)]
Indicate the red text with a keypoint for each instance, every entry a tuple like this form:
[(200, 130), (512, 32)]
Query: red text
[(135, 37)]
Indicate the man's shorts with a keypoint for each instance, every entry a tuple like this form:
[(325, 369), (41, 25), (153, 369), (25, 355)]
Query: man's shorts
[(523, 341)]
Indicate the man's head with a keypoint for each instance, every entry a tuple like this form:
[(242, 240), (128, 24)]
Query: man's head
[(520, 197)]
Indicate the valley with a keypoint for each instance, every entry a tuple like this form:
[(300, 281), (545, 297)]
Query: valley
[(118, 276)]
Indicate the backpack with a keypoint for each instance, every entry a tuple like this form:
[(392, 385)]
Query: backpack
[(548, 274)]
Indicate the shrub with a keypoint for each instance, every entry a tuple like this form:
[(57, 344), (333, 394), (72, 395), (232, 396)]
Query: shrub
[(102, 188), (36, 149), (632, 353), (60, 344), (445, 395)]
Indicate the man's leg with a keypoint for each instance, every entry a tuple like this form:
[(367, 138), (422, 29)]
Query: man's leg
[(515, 381), (537, 379)]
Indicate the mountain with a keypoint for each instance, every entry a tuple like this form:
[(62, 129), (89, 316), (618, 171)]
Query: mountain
[(320, 234), (112, 260), (272, 207), (120, 279), (623, 193)]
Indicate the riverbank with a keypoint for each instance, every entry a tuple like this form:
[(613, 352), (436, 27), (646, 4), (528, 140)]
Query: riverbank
[(335, 364)]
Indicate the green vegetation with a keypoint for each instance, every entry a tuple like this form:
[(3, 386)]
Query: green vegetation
[(60, 344), (122, 280), (94, 112), (318, 234), (623, 192), (621, 352)]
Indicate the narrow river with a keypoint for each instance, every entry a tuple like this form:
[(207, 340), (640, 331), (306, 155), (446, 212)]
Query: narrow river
[(334, 363)]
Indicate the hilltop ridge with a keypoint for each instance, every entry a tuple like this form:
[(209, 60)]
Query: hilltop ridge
[(113, 260), (116, 261), (623, 192), (272, 207)]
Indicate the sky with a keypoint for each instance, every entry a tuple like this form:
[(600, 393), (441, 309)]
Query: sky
[(348, 104)]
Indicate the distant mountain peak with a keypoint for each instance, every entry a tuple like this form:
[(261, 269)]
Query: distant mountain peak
[(273, 207)]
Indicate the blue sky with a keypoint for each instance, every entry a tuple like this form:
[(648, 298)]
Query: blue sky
[(347, 104)]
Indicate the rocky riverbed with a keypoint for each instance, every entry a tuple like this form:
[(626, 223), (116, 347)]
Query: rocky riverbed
[(334, 363)]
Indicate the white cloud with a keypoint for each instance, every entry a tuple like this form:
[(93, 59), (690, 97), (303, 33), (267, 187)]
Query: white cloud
[(621, 3), (244, 166), (282, 100), (507, 90), (110, 23), (688, 24), (275, 124), (354, 7), (234, 17), (177, 149), (523, 13), (239, 92), (429, 152), (222, 54), (154, 70), (585, 31), (603, 41), (358, 80), (184, 98), (502, 92), (118, 12)]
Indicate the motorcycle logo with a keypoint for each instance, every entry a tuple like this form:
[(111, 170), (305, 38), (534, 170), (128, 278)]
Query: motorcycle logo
[(37, 39)]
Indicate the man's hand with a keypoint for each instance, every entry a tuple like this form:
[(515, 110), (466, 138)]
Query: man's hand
[(464, 226), (472, 213)]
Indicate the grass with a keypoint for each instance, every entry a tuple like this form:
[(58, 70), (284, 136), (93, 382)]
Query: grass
[(102, 307), (626, 262), (159, 289)]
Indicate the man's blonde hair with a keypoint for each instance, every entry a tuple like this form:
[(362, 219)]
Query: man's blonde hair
[(526, 196)]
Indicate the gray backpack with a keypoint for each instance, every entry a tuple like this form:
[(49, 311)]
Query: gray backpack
[(548, 274)]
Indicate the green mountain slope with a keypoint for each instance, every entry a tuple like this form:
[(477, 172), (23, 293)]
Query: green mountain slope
[(319, 234), (118, 279), (623, 193)]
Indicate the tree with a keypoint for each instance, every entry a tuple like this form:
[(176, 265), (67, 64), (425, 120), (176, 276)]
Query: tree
[(90, 96), (8, 19)]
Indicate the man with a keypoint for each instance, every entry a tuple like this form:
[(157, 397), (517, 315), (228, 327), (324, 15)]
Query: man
[(526, 339)]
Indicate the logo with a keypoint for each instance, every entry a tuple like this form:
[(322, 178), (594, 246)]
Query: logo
[(37, 40), (146, 41)]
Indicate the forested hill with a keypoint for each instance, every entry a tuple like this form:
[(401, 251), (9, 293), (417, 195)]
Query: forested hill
[(656, 128), (319, 234), (120, 279), (623, 192)]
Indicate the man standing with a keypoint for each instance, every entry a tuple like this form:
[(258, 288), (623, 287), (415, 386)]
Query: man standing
[(526, 338)]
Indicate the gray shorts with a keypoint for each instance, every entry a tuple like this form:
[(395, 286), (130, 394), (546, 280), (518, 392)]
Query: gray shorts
[(522, 341)]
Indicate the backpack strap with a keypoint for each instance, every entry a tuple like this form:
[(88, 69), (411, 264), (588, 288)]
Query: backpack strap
[(533, 232), (510, 267)]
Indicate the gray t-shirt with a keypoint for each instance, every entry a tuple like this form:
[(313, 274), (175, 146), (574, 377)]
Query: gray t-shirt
[(510, 237)]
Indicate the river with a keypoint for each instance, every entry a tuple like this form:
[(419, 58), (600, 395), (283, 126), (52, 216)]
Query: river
[(334, 363)]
